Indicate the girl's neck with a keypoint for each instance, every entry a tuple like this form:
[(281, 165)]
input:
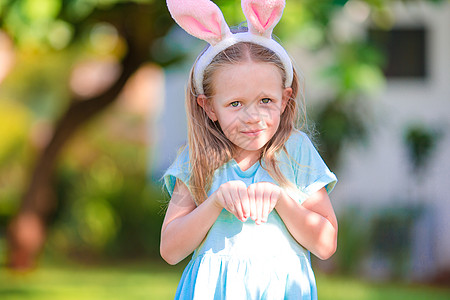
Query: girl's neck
[(246, 159)]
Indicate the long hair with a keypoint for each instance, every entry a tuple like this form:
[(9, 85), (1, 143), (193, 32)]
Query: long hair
[(209, 148)]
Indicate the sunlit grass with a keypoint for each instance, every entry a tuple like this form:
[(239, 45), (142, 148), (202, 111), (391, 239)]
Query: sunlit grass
[(340, 288), (156, 280), (145, 281)]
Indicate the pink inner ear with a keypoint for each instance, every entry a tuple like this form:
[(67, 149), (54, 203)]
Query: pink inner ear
[(193, 26), (265, 20), (215, 22)]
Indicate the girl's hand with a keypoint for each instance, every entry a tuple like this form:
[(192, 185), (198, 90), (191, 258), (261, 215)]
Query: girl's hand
[(263, 197), (233, 196)]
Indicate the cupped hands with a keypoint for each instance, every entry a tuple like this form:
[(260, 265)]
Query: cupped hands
[(255, 201)]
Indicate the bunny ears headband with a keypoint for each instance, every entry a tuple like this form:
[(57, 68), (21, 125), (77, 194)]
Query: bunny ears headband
[(204, 20)]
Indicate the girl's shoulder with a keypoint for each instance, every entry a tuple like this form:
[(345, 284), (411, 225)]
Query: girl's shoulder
[(298, 135), (296, 140), (310, 171), (178, 170), (182, 159), (300, 147)]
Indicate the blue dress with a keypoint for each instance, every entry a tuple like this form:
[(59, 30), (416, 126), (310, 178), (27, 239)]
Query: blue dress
[(242, 260)]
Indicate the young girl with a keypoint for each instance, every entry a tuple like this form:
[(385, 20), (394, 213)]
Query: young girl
[(249, 193)]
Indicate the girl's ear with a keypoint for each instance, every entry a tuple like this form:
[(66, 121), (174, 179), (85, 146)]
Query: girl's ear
[(287, 93), (205, 103)]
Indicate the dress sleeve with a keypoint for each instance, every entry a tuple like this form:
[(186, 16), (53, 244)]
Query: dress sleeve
[(310, 171), (178, 170)]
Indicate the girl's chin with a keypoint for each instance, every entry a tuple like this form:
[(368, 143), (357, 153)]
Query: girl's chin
[(251, 144), (251, 147)]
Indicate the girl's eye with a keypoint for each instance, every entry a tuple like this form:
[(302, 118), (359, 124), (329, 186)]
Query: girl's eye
[(235, 104), (266, 100)]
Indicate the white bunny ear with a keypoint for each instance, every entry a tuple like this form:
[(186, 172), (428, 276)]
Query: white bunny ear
[(263, 15), (200, 18)]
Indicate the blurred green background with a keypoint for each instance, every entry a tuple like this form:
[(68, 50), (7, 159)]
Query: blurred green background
[(82, 92)]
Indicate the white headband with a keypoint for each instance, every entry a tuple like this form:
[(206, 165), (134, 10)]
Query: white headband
[(204, 20), (206, 58)]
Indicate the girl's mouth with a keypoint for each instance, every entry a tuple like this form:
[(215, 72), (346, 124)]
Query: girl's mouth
[(255, 132)]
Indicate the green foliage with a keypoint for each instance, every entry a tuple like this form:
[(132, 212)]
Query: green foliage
[(385, 233), (39, 82), (355, 70), (15, 122), (391, 236), (53, 24), (108, 208), (232, 11), (353, 240), (339, 122), (107, 213), (32, 23), (420, 141)]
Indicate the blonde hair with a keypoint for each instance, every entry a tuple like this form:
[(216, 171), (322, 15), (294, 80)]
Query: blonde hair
[(209, 148)]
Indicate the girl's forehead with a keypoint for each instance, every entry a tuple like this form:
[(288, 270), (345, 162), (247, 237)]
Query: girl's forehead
[(247, 79), (246, 72), (244, 65)]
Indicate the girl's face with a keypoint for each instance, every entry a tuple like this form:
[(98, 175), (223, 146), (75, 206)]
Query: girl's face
[(248, 101)]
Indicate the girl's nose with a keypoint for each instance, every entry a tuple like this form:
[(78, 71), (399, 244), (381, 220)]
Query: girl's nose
[(252, 114)]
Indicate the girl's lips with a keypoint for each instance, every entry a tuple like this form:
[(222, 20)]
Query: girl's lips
[(253, 132)]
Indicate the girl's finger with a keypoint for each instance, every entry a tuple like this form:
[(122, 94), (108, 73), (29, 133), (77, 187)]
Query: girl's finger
[(236, 200), (259, 203), (245, 202), (274, 198), (252, 201), (266, 204), (229, 205)]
